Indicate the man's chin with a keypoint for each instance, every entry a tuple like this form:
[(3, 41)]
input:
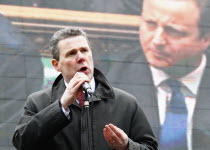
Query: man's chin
[(90, 76), (160, 65)]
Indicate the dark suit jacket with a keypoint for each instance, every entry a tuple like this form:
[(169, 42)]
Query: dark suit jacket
[(132, 74)]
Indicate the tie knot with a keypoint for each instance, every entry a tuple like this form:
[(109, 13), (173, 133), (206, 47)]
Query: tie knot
[(177, 102), (172, 83)]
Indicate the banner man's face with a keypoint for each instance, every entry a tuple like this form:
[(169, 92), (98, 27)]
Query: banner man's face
[(169, 32)]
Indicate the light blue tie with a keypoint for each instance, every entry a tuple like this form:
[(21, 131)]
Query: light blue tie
[(173, 135)]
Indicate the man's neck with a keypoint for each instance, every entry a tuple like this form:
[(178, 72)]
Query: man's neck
[(183, 68)]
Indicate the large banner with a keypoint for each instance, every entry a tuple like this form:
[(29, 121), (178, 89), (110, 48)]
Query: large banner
[(26, 28), (138, 46)]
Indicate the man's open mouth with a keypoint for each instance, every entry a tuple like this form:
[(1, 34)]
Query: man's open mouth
[(83, 69)]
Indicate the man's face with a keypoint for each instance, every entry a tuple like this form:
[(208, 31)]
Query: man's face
[(169, 33), (75, 56)]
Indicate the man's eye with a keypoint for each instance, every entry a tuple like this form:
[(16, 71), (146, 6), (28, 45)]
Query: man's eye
[(84, 50), (72, 53), (175, 33), (151, 24)]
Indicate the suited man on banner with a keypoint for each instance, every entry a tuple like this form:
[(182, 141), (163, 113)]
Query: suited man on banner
[(173, 81)]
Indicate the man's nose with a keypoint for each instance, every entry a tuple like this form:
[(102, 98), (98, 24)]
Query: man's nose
[(80, 57), (159, 38)]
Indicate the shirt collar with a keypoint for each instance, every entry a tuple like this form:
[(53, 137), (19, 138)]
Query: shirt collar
[(191, 80), (92, 84), (158, 76)]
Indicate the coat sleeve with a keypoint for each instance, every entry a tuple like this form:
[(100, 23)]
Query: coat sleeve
[(38, 124), (141, 136)]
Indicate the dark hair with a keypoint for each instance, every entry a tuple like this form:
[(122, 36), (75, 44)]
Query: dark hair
[(204, 21), (63, 34)]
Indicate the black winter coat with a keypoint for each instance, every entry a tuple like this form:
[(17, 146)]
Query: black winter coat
[(44, 126)]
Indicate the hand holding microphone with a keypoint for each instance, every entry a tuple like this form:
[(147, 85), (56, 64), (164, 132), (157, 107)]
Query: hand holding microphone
[(74, 88)]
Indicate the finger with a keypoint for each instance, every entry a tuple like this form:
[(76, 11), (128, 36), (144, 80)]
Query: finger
[(76, 82), (107, 135), (78, 77), (122, 136), (119, 133), (111, 133), (109, 138), (74, 86), (81, 74)]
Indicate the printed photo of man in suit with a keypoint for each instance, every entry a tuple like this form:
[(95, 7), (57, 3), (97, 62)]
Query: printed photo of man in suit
[(172, 74)]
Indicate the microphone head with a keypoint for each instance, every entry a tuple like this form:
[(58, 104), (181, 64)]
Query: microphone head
[(89, 91), (86, 87)]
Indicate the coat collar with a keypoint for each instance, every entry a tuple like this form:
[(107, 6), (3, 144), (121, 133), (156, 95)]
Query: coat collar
[(103, 88)]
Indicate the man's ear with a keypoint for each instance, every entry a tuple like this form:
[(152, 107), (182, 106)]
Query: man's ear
[(206, 41), (56, 65)]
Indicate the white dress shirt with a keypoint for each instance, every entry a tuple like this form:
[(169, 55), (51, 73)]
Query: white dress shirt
[(191, 82)]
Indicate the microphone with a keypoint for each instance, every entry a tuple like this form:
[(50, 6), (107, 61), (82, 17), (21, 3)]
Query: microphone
[(86, 87)]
